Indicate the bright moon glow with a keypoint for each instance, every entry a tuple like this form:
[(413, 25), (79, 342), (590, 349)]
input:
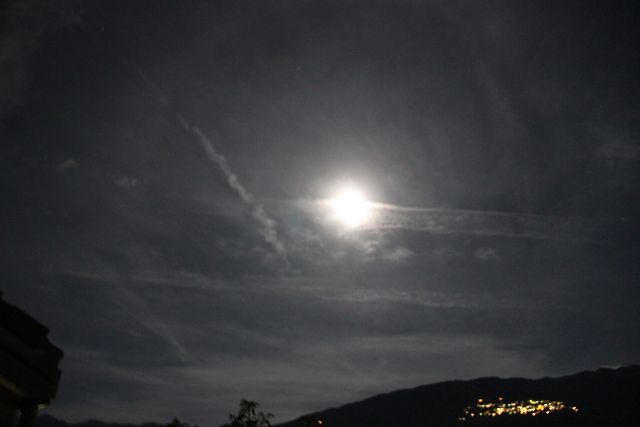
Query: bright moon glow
[(351, 207)]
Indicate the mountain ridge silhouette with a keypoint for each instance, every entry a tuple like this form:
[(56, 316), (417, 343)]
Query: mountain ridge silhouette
[(604, 397)]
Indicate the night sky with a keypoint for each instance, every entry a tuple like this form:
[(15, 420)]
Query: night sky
[(167, 170)]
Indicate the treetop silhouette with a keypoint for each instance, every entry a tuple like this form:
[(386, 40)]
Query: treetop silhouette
[(248, 416)]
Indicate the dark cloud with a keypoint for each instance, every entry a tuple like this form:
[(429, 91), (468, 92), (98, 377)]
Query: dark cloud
[(24, 24), (166, 170)]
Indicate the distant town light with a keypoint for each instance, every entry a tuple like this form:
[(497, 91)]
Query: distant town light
[(520, 407)]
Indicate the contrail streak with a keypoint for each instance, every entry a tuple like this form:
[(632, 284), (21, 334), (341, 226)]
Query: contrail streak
[(485, 223), (469, 222), (267, 226), (141, 313)]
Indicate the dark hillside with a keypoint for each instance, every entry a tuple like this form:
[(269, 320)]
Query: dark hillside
[(49, 421), (604, 397)]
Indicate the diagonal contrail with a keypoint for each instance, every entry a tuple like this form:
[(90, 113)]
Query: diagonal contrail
[(139, 310), (267, 226)]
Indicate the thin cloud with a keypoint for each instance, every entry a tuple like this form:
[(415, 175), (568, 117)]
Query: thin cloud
[(399, 254), (142, 314), (466, 222), (126, 181), (483, 223), (67, 164), (621, 151), (486, 254)]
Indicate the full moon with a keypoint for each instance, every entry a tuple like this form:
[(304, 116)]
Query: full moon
[(351, 207)]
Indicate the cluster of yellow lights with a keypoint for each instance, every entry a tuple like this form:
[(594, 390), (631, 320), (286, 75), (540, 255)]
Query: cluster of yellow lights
[(519, 407)]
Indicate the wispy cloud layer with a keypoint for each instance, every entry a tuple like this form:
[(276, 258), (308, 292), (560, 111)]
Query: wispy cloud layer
[(67, 164), (483, 223), (139, 204), (449, 221), (142, 313)]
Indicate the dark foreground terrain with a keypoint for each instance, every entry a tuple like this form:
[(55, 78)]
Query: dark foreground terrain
[(49, 421), (606, 397)]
